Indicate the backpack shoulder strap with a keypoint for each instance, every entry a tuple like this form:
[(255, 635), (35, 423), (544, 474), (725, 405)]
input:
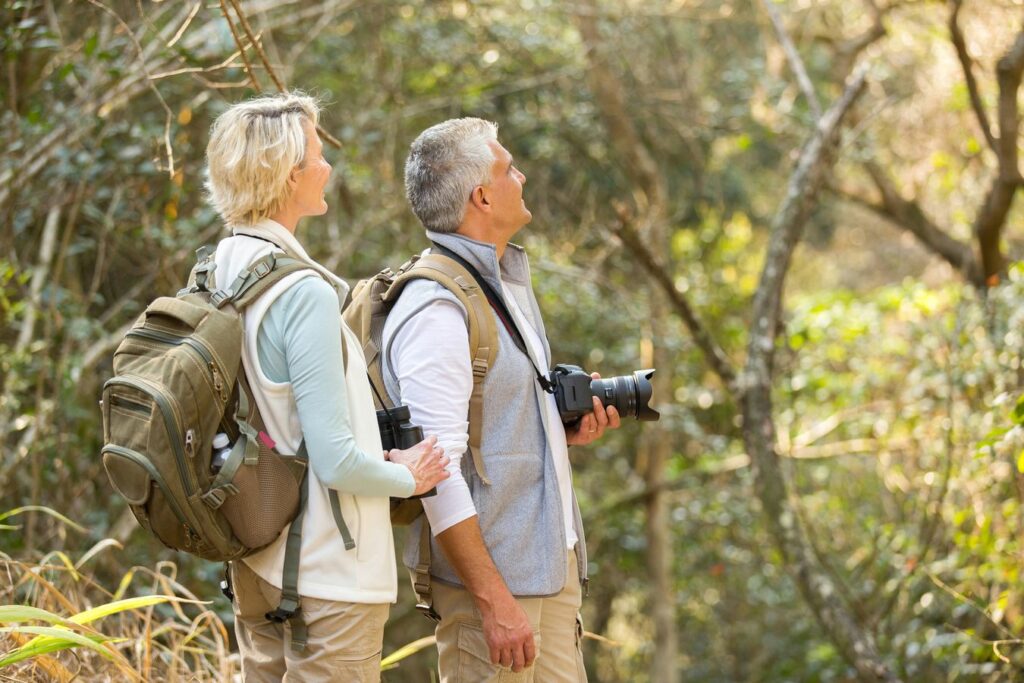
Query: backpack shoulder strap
[(483, 334), (255, 279)]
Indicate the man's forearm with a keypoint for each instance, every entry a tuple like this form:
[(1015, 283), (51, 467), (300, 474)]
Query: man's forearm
[(463, 545)]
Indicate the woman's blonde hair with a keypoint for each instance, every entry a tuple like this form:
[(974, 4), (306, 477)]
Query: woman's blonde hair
[(253, 147)]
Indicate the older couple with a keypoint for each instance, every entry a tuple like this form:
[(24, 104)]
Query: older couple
[(508, 559)]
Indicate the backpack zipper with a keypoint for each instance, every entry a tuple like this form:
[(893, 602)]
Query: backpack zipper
[(142, 462), (134, 406), (194, 344), (171, 421)]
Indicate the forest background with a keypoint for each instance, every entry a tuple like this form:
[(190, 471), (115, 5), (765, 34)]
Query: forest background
[(800, 212)]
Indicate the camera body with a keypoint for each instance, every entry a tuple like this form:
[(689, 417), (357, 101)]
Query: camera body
[(574, 390)]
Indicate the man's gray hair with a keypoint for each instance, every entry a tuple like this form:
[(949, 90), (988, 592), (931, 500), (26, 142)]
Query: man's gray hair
[(445, 163)]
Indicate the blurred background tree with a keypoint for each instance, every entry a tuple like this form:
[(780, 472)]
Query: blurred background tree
[(834, 491)]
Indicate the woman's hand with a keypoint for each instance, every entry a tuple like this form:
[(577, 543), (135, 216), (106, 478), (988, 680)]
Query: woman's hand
[(427, 462)]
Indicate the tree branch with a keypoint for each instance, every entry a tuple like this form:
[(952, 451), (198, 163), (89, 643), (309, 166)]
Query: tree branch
[(991, 219), (254, 41), (908, 215), (713, 353), (819, 590), (622, 133), (241, 48), (957, 36), (793, 57)]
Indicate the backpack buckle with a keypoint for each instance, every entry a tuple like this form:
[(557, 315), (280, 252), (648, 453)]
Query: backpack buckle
[(262, 269), (479, 367), (220, 297), (428, 611), (280, 614), (214, 498)]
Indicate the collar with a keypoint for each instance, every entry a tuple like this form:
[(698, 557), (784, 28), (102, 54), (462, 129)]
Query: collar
[(284, 239), (512, 268)]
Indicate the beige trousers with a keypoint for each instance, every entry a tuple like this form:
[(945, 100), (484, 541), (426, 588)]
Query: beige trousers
[(345, 639), (462, 653)]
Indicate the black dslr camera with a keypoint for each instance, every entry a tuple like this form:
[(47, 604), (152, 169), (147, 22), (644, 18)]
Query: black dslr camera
[(398, 431), (574, 390)]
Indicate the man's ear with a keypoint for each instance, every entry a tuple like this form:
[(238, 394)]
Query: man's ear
[(293, 177), (479, 198)]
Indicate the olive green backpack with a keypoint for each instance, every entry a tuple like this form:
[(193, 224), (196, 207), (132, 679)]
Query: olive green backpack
[(178, 381)]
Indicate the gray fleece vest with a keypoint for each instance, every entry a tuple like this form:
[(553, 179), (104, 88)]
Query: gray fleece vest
[(520, 512)]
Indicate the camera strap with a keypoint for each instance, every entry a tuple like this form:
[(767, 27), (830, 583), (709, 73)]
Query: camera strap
[(504, 316), (395, 422)]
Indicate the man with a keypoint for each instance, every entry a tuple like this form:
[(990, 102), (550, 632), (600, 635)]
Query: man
[(508, 559)]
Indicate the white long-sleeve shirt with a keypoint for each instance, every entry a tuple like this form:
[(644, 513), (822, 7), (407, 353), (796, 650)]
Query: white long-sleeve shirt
[(430, 357)]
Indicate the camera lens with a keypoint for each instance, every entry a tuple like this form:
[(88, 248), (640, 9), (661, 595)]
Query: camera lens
[(630, 394)]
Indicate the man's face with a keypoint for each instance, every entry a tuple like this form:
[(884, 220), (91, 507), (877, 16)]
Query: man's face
[(505, 192)]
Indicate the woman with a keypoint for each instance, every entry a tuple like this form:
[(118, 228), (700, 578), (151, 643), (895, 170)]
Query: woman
[(265, 172)]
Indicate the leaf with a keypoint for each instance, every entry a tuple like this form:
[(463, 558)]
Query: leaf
[(124, 605), (115, 607), (96, 549), (49, 639), (17, 613), (122, 587), (63, 558), (44, 510), (392, 660), (1018, 410), (1020, 462)]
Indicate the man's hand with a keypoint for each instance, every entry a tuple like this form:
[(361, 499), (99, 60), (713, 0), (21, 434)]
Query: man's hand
[(507, 631), (592, 426)]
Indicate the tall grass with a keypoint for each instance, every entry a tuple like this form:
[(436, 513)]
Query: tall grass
[(58, 623)]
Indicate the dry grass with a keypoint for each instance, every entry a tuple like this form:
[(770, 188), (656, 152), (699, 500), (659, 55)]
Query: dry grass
[(180, 639)]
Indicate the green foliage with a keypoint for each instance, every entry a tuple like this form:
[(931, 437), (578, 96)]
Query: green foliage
[(899, 416)]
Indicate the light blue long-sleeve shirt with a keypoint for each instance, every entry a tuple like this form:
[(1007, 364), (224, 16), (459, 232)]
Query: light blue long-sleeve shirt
[(299, 341)]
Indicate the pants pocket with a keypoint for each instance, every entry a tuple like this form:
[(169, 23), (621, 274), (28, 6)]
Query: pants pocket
[(475, 660)]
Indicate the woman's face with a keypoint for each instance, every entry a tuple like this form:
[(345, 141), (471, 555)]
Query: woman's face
[(309, 180)]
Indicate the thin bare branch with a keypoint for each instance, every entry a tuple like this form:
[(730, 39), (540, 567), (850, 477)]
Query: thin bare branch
[(188, 20), (908, 215), (796, 63), (169, 115), (241, 47), (254, 41), (713, 353), (967, 64)]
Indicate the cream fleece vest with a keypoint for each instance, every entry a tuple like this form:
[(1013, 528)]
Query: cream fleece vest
[(327, 571)]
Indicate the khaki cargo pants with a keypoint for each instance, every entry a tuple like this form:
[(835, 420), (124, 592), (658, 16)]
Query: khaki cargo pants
[(463, 656), (345, 638)]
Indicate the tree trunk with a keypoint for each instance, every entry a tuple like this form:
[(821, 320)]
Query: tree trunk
[(660, 555)]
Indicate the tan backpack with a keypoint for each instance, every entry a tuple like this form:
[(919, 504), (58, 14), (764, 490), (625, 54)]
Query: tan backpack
[(372, 300)]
